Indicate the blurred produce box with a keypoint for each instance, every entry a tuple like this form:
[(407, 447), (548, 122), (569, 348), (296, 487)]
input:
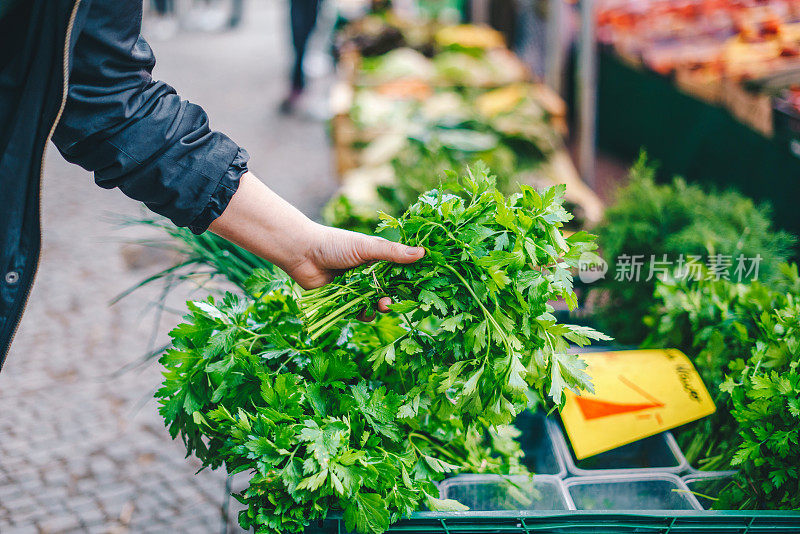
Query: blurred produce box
[(786, 120), (756, 102), (750, 106), (414, 100), (701, 82)]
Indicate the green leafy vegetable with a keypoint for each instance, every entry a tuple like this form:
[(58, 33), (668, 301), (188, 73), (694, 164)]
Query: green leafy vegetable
[(317, 428), (745, 343), (764, 398), (492, 265), (651, 220), (331, 414)]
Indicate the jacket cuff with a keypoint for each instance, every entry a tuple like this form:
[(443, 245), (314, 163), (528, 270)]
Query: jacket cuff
[(222, 195)]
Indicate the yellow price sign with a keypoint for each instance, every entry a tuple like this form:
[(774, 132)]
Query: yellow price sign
[(638, 393)]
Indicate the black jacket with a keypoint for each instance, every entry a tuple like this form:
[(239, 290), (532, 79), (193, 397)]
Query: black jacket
[(132, 131)]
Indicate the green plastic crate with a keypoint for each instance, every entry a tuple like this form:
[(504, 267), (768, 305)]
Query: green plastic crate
[(587, 521), (578, 522)]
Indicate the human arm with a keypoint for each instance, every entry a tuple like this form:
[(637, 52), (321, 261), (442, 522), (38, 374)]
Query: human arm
[(134, 132), (260, 221)]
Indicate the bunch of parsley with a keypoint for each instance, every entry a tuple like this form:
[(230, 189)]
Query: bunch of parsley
[(765, 403), (245, 388), (477, 324), (331, 414), (744, 340)]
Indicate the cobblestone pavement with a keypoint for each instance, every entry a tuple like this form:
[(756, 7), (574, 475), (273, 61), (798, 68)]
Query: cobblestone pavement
[(82, 448)]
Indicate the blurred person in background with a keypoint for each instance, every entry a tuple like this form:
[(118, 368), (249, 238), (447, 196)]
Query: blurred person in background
[(164, 23), (237, 13), (303, 17), (163, 7), (78, 72)]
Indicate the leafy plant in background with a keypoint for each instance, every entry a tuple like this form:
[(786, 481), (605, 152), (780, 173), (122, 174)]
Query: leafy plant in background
[(414, 141), (651, 220), (420, 166), (765, 403), (715, 320), (328, 413), (417, 168), (744, 344), (716, 323)]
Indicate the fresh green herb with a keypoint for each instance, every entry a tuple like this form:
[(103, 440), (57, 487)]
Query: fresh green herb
[(331, 414), (483, 291), (743, 339), (318, 429), (765, 402), (652, 220), (716, 322)]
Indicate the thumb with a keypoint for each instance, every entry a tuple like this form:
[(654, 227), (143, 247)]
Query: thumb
[(377, 248)]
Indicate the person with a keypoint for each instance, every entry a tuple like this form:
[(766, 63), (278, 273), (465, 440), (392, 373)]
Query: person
[(303, 17), (163, 8), (163, 22), (79, 71)]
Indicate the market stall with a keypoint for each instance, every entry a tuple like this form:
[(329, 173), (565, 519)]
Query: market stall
[(706, 88), (468, 99)]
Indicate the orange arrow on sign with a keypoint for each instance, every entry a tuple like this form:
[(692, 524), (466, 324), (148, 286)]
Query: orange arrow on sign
[(595, 409)]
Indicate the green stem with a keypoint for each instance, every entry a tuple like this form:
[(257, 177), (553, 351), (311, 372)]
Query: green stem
[(478, 301), (321, 326), (436, 446)]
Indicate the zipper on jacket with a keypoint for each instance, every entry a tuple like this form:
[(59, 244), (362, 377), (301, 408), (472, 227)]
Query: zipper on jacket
[(64, 92)]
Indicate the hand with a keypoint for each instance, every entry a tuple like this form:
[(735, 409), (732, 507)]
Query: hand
[(260, 221), (332, 250)]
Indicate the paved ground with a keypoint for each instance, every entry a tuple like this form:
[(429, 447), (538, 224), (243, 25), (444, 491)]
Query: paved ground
[(82, 448)]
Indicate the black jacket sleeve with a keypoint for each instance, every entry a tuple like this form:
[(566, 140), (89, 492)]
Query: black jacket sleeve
[(136, 133)]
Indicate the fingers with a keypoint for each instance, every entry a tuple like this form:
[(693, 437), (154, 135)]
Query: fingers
[(338, 249), (376, 248), (363, 316), (383, 307), (383, 304)]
